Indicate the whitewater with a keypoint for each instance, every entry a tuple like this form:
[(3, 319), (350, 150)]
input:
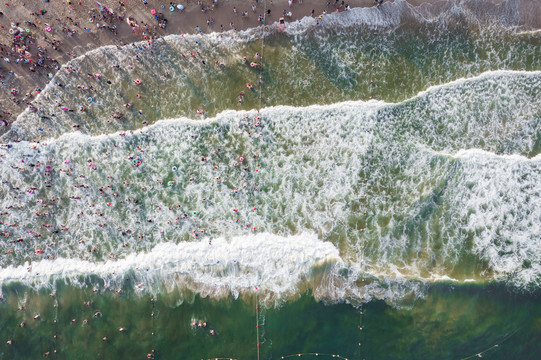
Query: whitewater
[(420, 167)]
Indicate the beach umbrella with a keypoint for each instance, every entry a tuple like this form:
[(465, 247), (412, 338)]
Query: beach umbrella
[(153, 11), (180, 7)]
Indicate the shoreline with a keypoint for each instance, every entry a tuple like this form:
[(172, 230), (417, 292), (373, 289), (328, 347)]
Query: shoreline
[(36, 39)]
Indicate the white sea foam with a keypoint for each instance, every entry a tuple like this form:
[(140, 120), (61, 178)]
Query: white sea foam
[(314, 170), (275, 263), (446, 172)]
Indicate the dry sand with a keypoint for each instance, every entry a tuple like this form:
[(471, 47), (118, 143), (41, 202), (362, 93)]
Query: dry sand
[(55, 31)]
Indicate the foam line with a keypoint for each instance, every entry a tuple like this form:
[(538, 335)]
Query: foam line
[(278, 263), (371, 105)]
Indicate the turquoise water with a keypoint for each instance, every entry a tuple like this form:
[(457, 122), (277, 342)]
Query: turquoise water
[(387, 164)]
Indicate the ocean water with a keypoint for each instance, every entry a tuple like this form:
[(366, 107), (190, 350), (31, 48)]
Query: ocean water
[(375, 195)]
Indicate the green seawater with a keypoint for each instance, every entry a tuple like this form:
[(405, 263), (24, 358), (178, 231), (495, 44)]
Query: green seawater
[(382, 202), (451, 322)]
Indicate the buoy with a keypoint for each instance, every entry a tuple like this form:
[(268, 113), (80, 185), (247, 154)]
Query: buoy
[(174, 168), (90, 99), (137, 82)]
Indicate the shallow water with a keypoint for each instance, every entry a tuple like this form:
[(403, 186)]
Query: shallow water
[(392, 167)]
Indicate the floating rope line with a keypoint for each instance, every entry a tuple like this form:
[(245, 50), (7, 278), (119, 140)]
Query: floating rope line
[(153, 328), (480, 354), (361, 306), (55, 322), (372, 68), (336, 356), (257, 322), (260, 80)]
